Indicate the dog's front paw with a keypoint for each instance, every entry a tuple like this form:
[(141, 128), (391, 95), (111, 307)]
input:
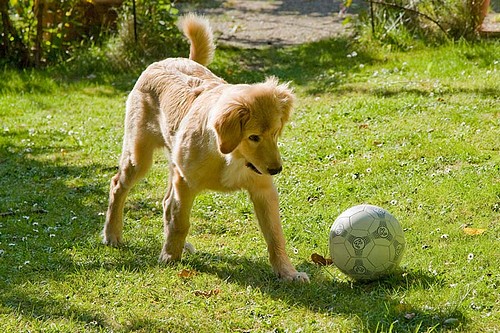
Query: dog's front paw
[(169, 255), (167, 258), (299, 277), (111, 239)]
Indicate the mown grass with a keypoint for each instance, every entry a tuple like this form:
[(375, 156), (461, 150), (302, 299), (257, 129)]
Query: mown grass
[(415, 132)]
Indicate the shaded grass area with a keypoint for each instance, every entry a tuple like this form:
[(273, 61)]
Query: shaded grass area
[(415, 132)]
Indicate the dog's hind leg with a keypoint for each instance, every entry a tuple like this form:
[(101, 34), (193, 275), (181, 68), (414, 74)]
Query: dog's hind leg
[(177, 210), (136, 160)]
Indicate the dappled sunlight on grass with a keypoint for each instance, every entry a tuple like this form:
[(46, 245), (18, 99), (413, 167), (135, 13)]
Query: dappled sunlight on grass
[(414, 132)]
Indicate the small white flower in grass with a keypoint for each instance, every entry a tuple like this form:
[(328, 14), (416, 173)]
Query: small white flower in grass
[(394, 202), (410, 316), (52, 235), (470, 256), (295, 250), (2, 252)]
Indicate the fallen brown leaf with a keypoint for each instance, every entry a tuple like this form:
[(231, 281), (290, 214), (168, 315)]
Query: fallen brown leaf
[(319, 260), (207, 293), (186, 273), (473, 231)]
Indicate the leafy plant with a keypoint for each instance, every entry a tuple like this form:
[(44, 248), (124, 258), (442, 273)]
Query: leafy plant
[(148, 36), (400, 22), (36, 33)]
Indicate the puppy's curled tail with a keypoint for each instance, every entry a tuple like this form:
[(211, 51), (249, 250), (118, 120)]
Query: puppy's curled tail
[(197, 29)]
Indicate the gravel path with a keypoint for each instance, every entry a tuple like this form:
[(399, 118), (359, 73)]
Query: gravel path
[(254, 23)]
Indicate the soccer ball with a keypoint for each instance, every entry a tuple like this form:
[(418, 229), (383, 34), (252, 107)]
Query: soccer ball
[(366, 242)]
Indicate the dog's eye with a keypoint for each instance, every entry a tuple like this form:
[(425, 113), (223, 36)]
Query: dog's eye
[(254, 138)]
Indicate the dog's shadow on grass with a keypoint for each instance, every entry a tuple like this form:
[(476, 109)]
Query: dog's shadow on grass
[(379, 304)]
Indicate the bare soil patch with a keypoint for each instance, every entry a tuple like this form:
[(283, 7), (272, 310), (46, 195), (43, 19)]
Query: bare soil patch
[(254, 23)]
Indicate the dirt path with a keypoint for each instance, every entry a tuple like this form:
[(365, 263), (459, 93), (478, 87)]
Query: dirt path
[(257, 23), (254, 23)]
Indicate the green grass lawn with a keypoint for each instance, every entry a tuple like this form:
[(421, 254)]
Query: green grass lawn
[(417, 133)]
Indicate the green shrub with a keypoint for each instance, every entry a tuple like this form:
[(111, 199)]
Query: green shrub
[(36, 33), (401, 22), (155, 36)]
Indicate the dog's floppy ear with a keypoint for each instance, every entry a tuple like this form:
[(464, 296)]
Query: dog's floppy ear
[(229, 126)]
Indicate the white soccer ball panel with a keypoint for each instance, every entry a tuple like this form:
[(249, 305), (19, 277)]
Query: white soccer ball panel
[(361, 221), (379, 255), (382, 241), (340, 252)]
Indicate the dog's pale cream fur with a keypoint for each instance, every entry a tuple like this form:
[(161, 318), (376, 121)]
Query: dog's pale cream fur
[(218, 136)]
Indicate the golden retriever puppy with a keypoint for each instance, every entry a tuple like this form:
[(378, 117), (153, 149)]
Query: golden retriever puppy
[(218, 136)]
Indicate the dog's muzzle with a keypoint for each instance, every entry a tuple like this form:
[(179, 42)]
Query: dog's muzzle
[(272, 172), (253, 168)]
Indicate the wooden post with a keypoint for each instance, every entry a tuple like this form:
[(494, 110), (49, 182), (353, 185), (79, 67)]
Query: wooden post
[(135, 20), (39, 7), (372, 18), (4, 10)]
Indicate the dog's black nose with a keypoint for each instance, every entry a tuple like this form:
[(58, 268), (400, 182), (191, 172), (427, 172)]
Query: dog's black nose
[(275, 171)]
